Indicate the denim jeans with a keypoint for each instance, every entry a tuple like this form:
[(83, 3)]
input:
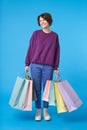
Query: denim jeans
[(40, 74)]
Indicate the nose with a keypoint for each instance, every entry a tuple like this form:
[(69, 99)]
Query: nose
[(41, 21)]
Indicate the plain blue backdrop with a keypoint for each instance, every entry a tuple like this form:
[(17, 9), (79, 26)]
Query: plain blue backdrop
[(18, 20)]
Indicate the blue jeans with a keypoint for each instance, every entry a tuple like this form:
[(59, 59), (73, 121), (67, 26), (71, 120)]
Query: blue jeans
[(40, 74)]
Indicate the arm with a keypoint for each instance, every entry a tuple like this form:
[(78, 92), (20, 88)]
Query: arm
[(29, 53), (57, 56)]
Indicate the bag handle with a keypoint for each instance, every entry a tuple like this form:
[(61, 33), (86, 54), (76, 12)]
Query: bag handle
[(27, 76), (58, 77)]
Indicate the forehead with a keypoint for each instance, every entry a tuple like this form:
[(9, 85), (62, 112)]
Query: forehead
[(41, 18)]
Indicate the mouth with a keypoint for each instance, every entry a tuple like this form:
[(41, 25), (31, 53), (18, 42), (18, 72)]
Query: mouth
[(43, 25)]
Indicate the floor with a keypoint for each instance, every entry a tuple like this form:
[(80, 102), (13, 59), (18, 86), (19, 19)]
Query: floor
[(12, 119)]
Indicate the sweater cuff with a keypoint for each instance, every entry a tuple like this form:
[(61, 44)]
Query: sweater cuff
[(55, 68), (27, 64)]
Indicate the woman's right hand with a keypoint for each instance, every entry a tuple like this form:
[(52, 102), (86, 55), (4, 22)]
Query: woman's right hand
[(26, 68)]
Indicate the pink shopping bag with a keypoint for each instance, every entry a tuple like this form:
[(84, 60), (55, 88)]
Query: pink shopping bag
[(28, 97), (69, 95), (49, 94), (46, 93)]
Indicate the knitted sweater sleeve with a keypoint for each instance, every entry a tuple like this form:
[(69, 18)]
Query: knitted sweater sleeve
[(57, 54), (29, 52)]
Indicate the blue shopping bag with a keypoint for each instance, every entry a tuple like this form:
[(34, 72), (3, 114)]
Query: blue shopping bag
[(52, 98), (18, 93)]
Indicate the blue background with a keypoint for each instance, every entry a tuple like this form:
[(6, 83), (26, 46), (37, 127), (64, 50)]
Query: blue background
[(18, 20)]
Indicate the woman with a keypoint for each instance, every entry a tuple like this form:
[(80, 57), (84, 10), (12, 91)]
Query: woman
[(43, 55)]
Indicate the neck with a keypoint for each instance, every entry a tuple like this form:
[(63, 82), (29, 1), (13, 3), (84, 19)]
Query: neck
[(46, 30)]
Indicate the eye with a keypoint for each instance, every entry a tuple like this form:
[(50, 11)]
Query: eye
[(41, 21)]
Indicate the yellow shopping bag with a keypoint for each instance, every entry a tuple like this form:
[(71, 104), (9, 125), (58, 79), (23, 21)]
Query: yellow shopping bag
[(61, 107)]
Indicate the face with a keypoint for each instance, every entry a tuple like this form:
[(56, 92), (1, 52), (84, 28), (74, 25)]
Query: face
[(43, 23)]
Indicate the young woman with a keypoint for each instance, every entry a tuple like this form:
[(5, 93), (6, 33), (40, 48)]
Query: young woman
[(43, 55)]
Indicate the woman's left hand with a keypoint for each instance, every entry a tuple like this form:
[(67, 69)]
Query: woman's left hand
[(56, 71)]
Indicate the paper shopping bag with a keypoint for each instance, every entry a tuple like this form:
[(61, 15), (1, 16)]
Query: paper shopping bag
[(69, 95), (46, 92), (34, 97), (61, 106), (18, 93), (52, 98), (49, 94), (27, 103)]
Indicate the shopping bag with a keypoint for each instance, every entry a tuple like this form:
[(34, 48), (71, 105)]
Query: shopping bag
[(52, 98), (21, 97), (33, 88), (27, 103), (69, 95), (46, 92), (18, 90), (61, 106), (49, 94)]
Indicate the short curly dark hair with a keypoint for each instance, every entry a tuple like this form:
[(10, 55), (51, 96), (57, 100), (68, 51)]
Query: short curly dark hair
[(45, 16)]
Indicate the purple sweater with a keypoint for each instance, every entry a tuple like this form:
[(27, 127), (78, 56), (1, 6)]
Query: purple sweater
[(43, 49)]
